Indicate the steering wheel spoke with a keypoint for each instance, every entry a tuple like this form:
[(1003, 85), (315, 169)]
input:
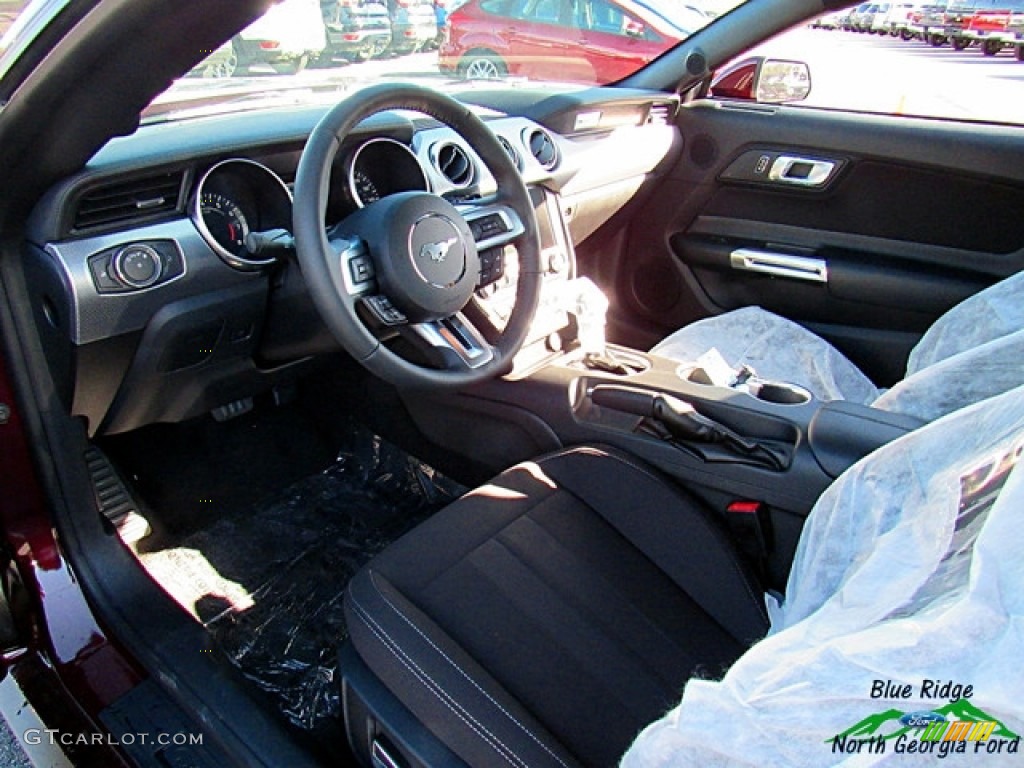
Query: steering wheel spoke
[(452, 343), (356, 266), (492, 224)]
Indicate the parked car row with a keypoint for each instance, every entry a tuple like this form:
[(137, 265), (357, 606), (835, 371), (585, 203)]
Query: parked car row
[(991, 25), (588, 41), (297, 33)]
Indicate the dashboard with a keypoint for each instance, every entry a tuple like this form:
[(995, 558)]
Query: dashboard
[(162, 274)]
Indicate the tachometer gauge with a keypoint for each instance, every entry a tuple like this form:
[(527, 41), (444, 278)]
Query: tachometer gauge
[(234, 197), (380, 167), (365, 190), (225, 221)]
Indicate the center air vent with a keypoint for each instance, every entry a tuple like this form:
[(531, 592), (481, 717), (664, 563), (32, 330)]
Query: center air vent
[(510, 151), (543, 148), (119, 203), (454, 164)]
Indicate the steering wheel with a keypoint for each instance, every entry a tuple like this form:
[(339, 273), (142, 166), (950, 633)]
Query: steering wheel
[(408, 263)]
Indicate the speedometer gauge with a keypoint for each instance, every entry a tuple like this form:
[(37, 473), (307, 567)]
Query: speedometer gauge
[(225, 221), (366, 190)]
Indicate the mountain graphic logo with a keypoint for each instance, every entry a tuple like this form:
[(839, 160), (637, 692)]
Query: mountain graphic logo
[(886, 725)]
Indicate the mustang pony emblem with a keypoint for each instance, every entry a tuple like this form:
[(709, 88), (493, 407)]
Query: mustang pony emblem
[(437, 252)]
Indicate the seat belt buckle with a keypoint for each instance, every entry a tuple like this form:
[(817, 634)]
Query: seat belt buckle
[(751, 528)]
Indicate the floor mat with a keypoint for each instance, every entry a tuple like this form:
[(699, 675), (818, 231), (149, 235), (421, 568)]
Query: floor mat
[(268, 583)]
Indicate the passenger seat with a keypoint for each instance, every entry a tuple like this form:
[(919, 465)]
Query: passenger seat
[(971, 353)]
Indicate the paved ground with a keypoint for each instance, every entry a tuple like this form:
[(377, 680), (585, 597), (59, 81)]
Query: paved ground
[(11, 755), (10, 752), (886, 74)]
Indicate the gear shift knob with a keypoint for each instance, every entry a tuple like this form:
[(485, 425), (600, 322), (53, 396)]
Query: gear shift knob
[(590, 307)]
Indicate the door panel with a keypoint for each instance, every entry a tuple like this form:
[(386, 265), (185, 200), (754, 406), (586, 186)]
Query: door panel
[(903, 218)]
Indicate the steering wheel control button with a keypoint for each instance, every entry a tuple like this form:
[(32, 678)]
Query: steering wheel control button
[(361, 268), (487, 227), (492, 266), (383, 311)]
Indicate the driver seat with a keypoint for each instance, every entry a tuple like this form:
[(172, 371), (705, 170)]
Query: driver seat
[(543, 619)]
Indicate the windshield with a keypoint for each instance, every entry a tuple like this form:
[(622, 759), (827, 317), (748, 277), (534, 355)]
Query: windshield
[(316, 47), (901, 59), (312, 50)]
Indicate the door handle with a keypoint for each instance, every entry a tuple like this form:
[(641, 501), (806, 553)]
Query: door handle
[(801, 171), (780, 264)]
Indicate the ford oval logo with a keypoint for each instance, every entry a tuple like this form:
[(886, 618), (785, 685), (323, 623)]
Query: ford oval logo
[(921, 719)]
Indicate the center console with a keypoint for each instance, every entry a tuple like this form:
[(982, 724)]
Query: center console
[(760, 452)]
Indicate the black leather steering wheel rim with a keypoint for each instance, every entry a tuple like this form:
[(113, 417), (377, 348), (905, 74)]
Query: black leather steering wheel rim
[(324, 273)]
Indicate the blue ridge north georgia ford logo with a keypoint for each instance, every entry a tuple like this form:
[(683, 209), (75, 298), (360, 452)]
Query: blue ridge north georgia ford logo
[(956, 727)]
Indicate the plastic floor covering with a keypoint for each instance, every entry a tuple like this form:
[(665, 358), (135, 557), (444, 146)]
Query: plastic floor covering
[(268, 583)]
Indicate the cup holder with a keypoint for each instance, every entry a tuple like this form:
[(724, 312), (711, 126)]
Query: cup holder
[(782, 394), (777, 392)]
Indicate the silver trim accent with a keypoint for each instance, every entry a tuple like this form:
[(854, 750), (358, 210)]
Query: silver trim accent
[(117, 264), (98, 315), (780, 264), (529, 131), (513, 154), (354, 159), (476, 352), (381, 758), (435, 159), (821, 171), (196, 214)]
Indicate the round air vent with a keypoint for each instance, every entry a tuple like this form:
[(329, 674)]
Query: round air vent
[(543, 148), (454, 164), (513, 155)]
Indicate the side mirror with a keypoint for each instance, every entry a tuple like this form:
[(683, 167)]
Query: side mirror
[(766, 81)]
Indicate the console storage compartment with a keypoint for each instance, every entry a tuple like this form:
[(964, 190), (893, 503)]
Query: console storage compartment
[(841, 433)]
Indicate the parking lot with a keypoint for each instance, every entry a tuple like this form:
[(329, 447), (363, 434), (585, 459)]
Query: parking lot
[(889, 75), (848, 71)]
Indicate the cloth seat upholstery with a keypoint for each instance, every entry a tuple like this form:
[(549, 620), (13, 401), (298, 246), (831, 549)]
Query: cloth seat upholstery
[(545, 618)]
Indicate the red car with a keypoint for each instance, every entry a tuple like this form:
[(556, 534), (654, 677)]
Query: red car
[(587, 41)]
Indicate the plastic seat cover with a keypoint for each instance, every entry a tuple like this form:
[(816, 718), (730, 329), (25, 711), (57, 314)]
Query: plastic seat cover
[(957, 361), (910, 572)]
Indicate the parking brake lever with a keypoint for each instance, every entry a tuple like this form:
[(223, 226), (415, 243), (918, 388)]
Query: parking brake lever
[(680, 419)]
